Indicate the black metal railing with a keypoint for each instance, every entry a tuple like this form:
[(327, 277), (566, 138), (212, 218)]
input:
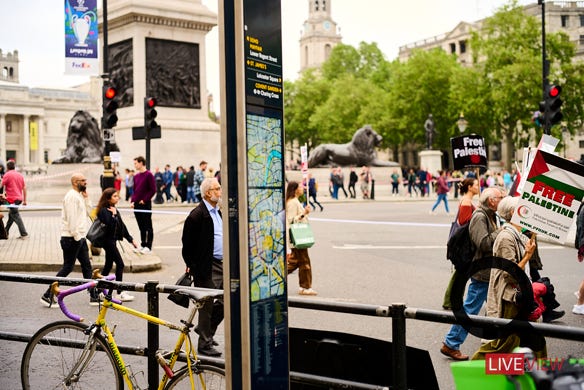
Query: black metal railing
[(397, 311)]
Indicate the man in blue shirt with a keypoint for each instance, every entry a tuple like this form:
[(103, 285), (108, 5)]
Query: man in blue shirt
[(202, 251)]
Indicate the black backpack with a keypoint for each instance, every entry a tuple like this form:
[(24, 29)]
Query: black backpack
[(460, 248)]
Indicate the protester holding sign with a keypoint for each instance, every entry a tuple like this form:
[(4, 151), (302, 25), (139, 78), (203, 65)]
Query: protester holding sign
[(505, 297), (468, 189)]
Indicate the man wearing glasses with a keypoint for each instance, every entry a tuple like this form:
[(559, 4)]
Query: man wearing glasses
[(483, 230), (202, 251), (74, 225)]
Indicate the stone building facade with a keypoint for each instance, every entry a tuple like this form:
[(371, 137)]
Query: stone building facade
[(34, 121), (319, 35)]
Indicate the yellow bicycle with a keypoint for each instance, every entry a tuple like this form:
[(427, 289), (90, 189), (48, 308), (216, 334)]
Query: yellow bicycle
[(72, 355)]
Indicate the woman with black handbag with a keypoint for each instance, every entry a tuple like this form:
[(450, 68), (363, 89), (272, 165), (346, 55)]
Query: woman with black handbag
[(115, 230)]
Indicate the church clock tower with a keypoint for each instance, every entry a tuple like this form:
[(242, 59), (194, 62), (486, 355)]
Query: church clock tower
[(319, 35)]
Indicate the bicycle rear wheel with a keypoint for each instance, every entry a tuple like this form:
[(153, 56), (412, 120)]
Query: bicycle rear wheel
[(212, 377), (61, 356)]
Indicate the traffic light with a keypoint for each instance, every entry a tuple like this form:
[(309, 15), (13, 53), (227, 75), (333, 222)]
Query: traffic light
[(553, 105), (150, 113), (110, 106)]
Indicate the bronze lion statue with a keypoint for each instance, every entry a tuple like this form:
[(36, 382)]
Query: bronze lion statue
[(360, 151), (84, 140)]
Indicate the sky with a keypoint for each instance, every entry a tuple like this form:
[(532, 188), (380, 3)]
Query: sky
[(35, 29)]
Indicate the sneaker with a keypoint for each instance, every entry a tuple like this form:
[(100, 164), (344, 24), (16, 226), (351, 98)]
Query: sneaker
[(145, 251), (578, 309), (125, 297), (137, 250), (94, 301), (49, 301), (307, 291)]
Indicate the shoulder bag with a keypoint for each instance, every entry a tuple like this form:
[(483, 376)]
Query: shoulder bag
[(301, 235), (186, 279), (96, 232)]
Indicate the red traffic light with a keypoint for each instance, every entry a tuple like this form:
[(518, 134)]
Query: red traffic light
[(110, 93), (150, 102), (555, 91)]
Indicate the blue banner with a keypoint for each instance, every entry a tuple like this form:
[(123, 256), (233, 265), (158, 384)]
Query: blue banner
[(81, 37)]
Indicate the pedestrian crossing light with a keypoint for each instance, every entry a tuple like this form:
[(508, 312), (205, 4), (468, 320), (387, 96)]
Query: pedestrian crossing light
[(150, 113), (553, 114), (110, 107)]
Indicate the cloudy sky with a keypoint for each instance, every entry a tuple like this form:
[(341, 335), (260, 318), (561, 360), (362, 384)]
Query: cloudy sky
[(35, 29)]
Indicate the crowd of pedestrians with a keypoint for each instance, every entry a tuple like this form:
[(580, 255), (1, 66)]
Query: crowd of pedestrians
[(490, 227), (492, 233)]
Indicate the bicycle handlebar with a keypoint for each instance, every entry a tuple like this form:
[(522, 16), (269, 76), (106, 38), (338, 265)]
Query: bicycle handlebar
[(61, 294)]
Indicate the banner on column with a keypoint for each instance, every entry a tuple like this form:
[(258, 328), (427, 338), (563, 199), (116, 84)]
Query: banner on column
[(81, 37), (551, 196), (33, 132)]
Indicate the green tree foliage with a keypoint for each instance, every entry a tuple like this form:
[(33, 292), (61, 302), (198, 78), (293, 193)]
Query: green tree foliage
[(420, 87), (497, 94), (301, 99), (507, 55)]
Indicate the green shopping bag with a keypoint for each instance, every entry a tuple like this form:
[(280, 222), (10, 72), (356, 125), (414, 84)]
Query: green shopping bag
[(301, 235)]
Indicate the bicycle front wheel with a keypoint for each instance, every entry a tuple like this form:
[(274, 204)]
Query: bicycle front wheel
[(62, 356), (209, 378)]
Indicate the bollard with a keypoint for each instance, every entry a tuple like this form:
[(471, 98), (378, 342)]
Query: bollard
[(153, 337), (399, 349)]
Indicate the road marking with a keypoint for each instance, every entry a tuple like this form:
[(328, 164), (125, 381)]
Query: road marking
[(380, 222)]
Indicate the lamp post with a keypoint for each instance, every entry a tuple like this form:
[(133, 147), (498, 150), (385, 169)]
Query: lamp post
[(461, 123)]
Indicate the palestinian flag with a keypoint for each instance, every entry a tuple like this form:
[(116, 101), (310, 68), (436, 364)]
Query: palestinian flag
[(552, 194)]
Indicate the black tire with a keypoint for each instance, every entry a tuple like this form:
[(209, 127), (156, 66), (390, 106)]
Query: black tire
[(51, 354), (214, 378)]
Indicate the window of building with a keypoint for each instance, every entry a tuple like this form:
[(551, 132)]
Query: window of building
[(327, 51), (452, 48), (316, 5), (4, 72), (582, 20), (9, 126), (46, 156), (462, 45), (324, 5), (564, 20), (581, 144), (581, 40)]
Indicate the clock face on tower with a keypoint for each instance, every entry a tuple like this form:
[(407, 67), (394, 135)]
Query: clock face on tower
[(326, 25)]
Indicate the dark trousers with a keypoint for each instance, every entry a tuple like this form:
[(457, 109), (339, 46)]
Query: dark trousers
[(144, 220), (14, 217), (211, 314), (112, 255), (75, 250), (352, 190), (313, 197)]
